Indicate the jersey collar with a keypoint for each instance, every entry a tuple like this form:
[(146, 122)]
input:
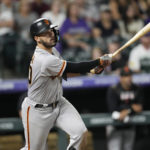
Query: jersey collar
[(43, 51)]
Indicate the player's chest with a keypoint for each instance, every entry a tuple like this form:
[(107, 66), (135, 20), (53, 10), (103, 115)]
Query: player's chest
[(127, 95)]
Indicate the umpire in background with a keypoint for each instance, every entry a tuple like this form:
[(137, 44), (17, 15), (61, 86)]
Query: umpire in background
[(123, 100)]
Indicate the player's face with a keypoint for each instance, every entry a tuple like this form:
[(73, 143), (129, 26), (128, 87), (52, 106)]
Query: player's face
[(47, 39), (126, 81)]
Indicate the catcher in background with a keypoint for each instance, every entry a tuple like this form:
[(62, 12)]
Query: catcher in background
[(45, 107), (123, 100)]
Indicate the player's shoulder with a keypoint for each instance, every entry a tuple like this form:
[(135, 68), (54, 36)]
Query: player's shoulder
[(137, 49), (51, 59), (53, 56), (46, 58), (39, 56)]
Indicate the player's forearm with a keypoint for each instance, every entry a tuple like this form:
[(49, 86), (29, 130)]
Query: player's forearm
[(81, 67), (137, 107)]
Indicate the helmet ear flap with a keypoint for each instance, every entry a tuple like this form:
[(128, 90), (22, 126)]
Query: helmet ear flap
[(58, 37), (56, 32)]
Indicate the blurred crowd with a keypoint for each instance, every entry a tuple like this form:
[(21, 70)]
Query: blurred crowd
[(88, 29)]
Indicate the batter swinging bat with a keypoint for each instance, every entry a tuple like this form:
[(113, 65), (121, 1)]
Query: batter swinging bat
[(137, 36)]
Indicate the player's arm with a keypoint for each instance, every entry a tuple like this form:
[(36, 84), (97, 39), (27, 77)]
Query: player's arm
[(76, 69), (86, 66), (137, 105), (53, 66), (81, 67), (112, 99)]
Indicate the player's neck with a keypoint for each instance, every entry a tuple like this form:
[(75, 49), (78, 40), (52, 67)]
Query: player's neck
[(43, 47), (125, 87), (49, 50)]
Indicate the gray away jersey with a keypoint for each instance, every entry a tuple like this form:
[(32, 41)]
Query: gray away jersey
[(45, 74)]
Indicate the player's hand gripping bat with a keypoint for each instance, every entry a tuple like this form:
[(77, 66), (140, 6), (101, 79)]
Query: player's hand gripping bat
[(136, 37)]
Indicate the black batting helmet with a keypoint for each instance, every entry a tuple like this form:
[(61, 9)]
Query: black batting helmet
[(41, 25)]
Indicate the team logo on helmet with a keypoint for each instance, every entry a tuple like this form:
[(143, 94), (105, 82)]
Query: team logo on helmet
[(46, 21)]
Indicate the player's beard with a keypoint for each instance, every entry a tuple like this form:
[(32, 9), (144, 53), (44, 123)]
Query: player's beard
[(47, 44)]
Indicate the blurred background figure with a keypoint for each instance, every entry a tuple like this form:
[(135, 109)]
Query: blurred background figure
[(96, 40), (8, 5), (7, 37), (139, 59), (76, 34), (143, 8), (120, 60), (88, 10), (56, 13), (114, 7), (120, 8), (25, 45), (123, 100), (24, 18), (106, 24), (96, 53), (39, 7), (131, 23), (6, 18)]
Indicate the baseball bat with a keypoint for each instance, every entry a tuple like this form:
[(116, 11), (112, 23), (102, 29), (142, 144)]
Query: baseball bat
[(136, 37)]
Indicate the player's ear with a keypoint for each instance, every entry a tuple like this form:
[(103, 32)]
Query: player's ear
[(36, 38)]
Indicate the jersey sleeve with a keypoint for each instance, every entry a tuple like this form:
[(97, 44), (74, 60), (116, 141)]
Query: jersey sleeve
[(53, 66)]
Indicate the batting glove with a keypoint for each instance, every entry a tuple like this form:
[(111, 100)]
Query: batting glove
[(105, 60)]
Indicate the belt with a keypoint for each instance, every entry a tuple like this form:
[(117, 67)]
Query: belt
[(53, 105)]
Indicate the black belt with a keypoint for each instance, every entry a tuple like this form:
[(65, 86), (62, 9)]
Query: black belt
[(53, 105)]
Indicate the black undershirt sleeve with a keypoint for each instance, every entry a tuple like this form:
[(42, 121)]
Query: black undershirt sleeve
[(81, 67)]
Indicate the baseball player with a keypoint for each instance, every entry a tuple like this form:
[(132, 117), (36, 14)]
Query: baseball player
[(45, 106)]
